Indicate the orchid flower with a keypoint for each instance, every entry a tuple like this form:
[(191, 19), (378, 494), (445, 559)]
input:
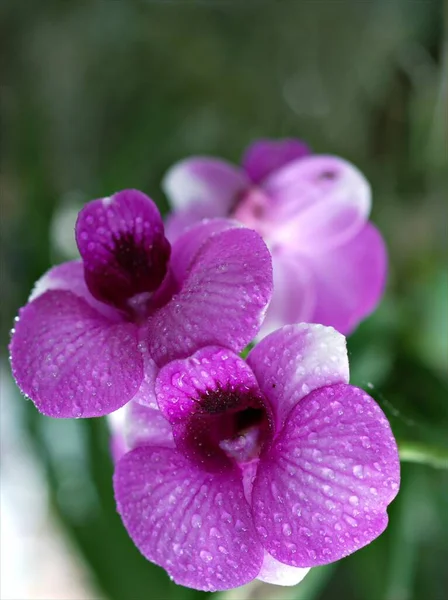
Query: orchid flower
[(261, 468), (95, 331), (329, 262)]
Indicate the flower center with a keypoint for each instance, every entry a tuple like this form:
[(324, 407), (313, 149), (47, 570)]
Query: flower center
[(253, 209), (228, 426)]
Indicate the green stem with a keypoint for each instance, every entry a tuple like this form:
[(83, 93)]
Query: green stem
[(416, 452)]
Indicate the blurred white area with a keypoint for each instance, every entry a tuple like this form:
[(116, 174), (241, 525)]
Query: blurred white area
[(36, 560)]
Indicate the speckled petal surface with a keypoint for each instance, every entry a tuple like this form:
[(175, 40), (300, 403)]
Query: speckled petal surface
[(195, 525), (122, 243), (184, 251), (323, 200), (208, 182), (144, 426), (350, 280), (294, 296), (222, 300), (323, 490), (266, 156), (295, 360), (277, 573), (181, 382), (70, 276), (71, 360)]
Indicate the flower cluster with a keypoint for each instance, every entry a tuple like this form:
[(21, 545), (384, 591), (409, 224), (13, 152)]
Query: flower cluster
[(226, 469)]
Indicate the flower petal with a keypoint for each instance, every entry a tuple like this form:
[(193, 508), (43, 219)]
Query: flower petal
[(194, 524), (263, 157), (210, 183), (122, 243), (277, 573), (145, 426), (293, 299), (350, 280), (322, 491), (71, 360), (323, 201), (185, 250), (70, 276), (222, 300), (295, 360)]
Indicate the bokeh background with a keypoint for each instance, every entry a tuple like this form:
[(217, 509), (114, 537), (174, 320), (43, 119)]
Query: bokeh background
[(101, 95)]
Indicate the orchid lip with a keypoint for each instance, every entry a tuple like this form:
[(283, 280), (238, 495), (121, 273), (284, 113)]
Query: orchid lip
[(228, 427)]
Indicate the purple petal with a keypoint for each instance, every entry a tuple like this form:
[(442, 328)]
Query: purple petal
[(295, 360), (222, 301), (122, 243), (263, 157), (71, 360), (350, 280), (322, 491), (204, 398), (145, 426), (185, 250), (293, 299), (209, 183), (70, 276), (194, 524), (136, 425), (277, 573), (323, 202)]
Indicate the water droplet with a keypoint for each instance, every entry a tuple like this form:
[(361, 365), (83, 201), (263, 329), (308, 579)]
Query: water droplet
[(196, 521), (358, 471), (287, 529), (205, 556), (354, 500), (177, 549), (223, 550)]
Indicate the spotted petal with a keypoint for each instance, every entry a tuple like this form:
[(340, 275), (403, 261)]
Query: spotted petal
[(295, 360), (123, 247), (222, 300), (194, 524), (73, 361), (322, 491)]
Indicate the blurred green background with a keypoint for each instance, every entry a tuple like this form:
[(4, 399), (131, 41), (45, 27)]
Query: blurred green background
[(102, 95)]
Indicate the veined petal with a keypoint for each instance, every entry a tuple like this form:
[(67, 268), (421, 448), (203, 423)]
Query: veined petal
[(194, 524), (294, 297), (277, 573), (322, 490), (122, 243), (295, 360), (350, 280), (222, 300), (73, 361), (70, 276), (144, 426), (210, 183), (323, 201), (263, 157), (185, 250)]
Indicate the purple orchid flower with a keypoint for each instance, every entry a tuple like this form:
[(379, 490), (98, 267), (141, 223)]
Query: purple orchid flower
[(256, 469), (329, 262), (95, 331)]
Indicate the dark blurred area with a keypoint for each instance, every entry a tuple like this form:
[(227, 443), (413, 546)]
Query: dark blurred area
[(97, 96)]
